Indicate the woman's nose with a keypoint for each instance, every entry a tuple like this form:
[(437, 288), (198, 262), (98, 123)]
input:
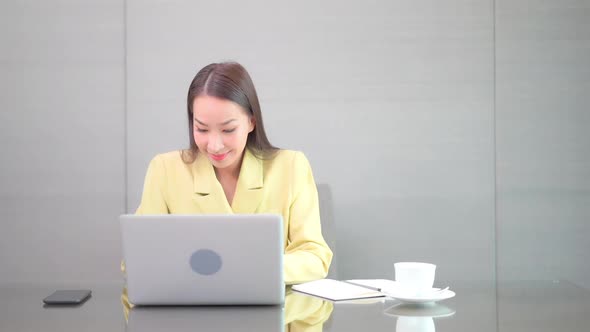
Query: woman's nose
[(215, 143)]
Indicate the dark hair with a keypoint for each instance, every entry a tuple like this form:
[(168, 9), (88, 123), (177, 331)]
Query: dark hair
[(229, 81)]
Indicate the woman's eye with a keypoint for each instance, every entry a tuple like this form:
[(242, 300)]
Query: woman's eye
[(229, 130), (201, 130)]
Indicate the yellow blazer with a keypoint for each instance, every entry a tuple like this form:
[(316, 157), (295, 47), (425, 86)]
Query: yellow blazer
[(283, 185)]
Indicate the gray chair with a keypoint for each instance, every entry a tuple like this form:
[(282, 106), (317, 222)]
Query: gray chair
[(328, 224)]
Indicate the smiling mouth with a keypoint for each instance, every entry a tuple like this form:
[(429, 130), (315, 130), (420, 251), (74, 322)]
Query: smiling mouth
[(218, 157)]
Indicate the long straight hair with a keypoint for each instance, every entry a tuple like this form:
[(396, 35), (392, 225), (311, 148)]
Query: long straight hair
[(228, 81)]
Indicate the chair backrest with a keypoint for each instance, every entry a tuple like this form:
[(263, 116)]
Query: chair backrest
[(328, 224)]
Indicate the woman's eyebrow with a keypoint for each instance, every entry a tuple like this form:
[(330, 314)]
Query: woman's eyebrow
[(228, 121), (200, 122), (223, 123)]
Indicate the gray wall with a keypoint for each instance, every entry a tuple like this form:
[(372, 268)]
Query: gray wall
[(543, 136), (425, 117), (62, 131)]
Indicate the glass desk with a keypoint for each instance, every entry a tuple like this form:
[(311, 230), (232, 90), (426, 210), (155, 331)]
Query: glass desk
[(478, 306)]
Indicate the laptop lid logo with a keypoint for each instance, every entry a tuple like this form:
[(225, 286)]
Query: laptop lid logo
[(205, 262)]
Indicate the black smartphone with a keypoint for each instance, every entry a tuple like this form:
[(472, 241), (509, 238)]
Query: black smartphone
[(70, 296)]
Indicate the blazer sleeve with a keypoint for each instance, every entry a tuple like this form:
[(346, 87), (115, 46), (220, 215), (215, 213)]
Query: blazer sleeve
[(307, 256), (153, 199)]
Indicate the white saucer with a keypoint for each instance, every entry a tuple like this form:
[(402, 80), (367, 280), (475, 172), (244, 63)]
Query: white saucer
[(427, 297), (413, 310)]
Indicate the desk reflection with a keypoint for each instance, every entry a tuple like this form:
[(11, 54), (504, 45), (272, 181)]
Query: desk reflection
[(300, 313), (305, 313), (385, 315), (417, 318)]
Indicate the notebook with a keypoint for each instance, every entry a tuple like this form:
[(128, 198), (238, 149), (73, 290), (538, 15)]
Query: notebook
[(203, 259), (335, 290)]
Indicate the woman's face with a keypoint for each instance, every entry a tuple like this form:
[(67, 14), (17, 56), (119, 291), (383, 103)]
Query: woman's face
[(220, 130)]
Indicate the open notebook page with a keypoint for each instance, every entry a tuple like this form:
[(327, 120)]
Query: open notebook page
[(336, 290)]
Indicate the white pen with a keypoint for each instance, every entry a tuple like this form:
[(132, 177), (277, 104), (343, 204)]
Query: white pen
[(364, 286)]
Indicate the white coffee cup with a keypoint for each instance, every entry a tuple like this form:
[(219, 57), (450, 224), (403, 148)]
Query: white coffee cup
[(415, 277)]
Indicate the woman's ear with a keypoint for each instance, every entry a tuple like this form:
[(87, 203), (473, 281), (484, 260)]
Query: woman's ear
[(252, 124)]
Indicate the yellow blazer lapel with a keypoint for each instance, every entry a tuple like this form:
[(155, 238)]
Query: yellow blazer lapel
[(249, 190), (208, 193)]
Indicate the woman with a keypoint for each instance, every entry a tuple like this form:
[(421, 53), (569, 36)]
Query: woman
[(231, 167)]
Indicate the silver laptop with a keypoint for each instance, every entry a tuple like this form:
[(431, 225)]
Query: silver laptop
[(203, 259)]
